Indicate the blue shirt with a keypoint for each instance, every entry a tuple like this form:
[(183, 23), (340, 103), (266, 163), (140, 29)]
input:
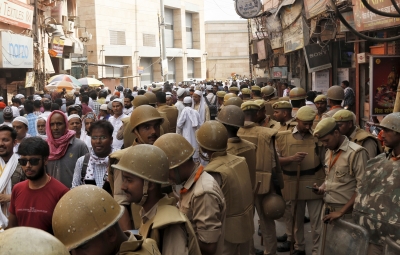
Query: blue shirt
[(31, 124)]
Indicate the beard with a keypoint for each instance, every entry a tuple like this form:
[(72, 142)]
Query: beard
[(128, 106), (41, 172)]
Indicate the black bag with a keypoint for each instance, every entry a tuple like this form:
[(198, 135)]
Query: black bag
[(213, 108)]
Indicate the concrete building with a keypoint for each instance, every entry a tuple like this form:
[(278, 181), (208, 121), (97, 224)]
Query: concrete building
[(227, 49), (126, 34)]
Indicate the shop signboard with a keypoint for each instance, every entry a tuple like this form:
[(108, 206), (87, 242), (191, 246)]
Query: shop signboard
[(248, 9), (140, 69), (279, 72), (274, 29), (384, 77), (317, 57), (366, 20), (30, 79), (16, 51), (320, 81), (16, 13), (57, 46), (295, 30), (314, 7)]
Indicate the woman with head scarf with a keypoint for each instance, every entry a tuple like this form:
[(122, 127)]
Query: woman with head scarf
[(65, 148)]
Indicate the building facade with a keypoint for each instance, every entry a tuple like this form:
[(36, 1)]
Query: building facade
[(125, 46), (227, 46)]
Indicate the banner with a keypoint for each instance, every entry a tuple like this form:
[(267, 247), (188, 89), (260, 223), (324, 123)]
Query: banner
[(295, 30), (314, 7), (16, 13), (384, 78), (57, 45)]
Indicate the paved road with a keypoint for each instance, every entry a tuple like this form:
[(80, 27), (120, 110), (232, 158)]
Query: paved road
[(280, 231)]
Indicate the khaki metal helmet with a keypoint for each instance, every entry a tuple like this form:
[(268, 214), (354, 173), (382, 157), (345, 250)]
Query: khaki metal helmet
[(212, 136), (267, 90), (84, 213), (152, 97), (231, 115), (33, 241), (143, 114), (177, 148), (273, 206), (145, 161), (297, 94), (229, 95), (392, 122), (140, 100), (234, 101), (335, 93)]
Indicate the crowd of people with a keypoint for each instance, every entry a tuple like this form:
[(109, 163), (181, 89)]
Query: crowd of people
[(182, 169)]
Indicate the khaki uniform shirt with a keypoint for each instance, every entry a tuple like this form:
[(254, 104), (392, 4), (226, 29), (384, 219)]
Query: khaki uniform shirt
[(136, 245), (242, 148), (172, 115), (287, 126), (340, 183), (174, 240), (369, 144), (332, 112), (204, 205)]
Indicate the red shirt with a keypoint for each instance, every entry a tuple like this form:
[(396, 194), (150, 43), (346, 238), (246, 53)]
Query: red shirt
[(34, 207), (86, 109)]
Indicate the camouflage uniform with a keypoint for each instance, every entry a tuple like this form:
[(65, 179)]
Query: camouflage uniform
[(376, 207)]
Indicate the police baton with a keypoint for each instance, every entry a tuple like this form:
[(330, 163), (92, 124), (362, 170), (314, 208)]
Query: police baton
[(295, 204), (327, 211)]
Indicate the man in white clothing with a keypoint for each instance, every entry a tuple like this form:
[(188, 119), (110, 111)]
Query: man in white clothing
[(181, 93), (188, 122), (200, 105), (116, 121)]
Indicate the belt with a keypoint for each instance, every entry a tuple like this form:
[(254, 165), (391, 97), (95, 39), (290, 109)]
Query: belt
[(335, 207), (302, 172)]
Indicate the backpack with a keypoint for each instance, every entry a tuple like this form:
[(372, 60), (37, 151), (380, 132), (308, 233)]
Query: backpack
[(106, 185), (213, 108)]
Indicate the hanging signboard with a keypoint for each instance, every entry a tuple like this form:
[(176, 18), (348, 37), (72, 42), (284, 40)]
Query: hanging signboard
[(295, 30), (57, 46), (16, 51), (274, 29), (320, 81), (314, 7), (384, 79), (317, 58), (262, 54), (30, 79), (248, 9), (279, 72), (366, 20), (16, 13)]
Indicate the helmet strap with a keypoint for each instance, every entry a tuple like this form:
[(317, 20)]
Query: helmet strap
[(138, 136), (177, 175), (203, 155), (145, 195)]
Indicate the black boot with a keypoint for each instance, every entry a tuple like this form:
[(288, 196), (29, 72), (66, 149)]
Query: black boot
[(281, 238), (284, 247)]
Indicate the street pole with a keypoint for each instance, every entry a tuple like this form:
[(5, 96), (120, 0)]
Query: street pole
[(164, 51), (250, 44)]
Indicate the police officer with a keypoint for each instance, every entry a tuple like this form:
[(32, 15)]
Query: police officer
[(232, 175), (297, 99), (153, 102), (344, 168), (171, 111), (220, 98), (268, 94), (32, 241), (234, 101), (267, 169), (144, 169), (376, 205), (255, 92), (263, 119), (234, 90), (321, 103), (228, 96), (199, 191), (283, 116), (145, 124), (85, 220), (299, 151), (335, 97), (345, 120), (232, 117), (246, 94)]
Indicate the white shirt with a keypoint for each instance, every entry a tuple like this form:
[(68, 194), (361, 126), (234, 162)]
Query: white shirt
[(45, 115), (128, 111), (180, 106), (117, 124), (187, 124)]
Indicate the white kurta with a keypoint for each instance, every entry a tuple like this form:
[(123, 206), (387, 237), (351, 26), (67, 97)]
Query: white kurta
[(117, 123), (188, 122), (180, 106)]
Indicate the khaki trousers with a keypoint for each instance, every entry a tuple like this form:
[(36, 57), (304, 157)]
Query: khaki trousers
[(237, 248), (314, 209), (267, 226), (374, 249)]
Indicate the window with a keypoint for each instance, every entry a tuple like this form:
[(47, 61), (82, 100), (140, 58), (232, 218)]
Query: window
[(169, 27), (149, 40), (117, 37), (189, 33)]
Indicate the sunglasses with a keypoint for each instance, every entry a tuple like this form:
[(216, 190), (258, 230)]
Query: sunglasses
[(32, 161)]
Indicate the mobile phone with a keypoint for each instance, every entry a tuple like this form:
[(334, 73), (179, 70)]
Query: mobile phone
[(314, 189)]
